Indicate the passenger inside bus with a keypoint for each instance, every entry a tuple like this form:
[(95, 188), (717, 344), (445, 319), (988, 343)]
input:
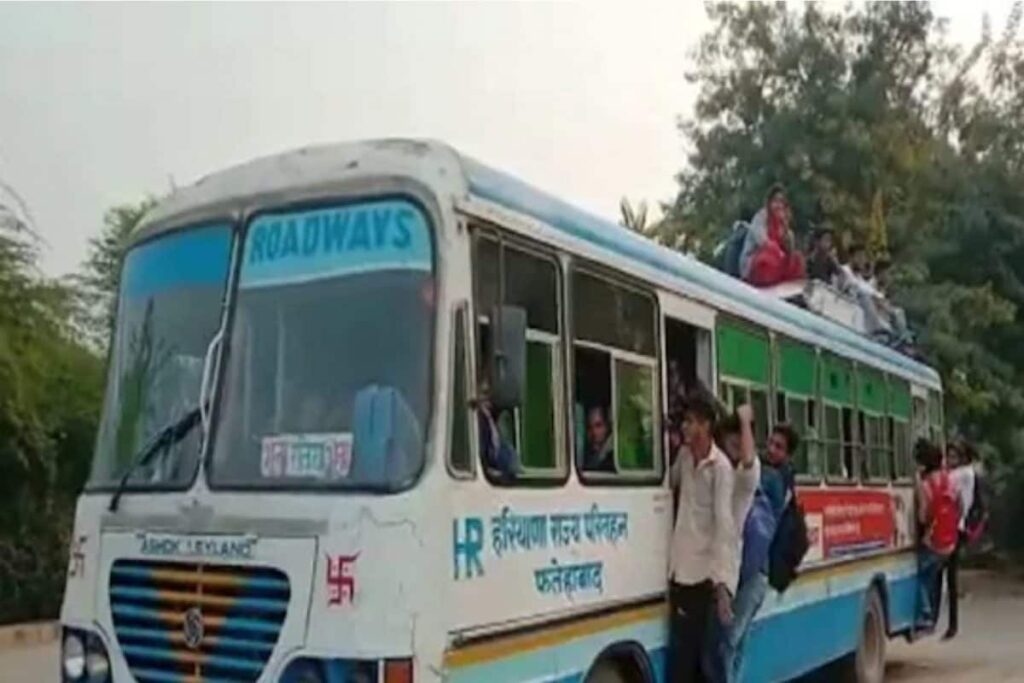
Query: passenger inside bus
[(681, 354), (498, 455), (497, 448), (599, 455), (595, 431)]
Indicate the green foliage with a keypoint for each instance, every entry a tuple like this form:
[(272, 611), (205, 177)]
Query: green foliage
[(882, 129), (50, 392)]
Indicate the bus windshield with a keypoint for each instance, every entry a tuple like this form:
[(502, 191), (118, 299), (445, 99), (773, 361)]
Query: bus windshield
[(169, 309), (334, 304)]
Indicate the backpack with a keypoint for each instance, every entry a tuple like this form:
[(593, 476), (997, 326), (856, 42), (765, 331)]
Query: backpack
[(977, 516), (943, 513), (732, 249), (789, 545)]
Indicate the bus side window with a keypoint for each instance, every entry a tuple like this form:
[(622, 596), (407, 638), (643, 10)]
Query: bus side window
[(833, 442), (509, 274), (849, 446), (902, 457), (615, 361), (935, 418), (876, 449), (920, 418), (862, 447)]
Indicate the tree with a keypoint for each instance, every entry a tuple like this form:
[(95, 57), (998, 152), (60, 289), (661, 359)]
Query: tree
[(634, 219), (50, 387), (101, 273), (878, 125)]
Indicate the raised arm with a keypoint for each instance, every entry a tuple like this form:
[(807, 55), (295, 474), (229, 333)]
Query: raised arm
[(748, 450)]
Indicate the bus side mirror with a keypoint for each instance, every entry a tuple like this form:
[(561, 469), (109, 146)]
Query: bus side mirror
[(506, 361)]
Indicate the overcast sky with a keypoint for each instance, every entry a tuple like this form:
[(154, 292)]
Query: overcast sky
[(103, 103)]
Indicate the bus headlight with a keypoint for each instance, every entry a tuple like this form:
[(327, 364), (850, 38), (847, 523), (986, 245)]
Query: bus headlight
[(83, 658), (72, 657), (97, 665)]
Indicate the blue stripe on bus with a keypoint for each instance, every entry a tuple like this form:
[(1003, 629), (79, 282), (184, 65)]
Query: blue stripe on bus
[(784, 642), (567, 661)]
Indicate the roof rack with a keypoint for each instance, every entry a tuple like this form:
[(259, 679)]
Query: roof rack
[(823, 299)]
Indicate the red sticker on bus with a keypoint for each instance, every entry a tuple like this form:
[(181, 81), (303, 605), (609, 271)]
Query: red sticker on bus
[(851, 522)]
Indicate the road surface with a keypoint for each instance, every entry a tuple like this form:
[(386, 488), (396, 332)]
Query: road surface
[(990, 647)]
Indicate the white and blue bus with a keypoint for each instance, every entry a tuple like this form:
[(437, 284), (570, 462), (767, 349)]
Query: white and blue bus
[(290, 484)]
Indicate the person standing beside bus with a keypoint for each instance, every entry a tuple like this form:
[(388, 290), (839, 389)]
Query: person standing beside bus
[(774, 540), (778, 478), (939, 515), (960, 456), (756, 523), (704, 551)]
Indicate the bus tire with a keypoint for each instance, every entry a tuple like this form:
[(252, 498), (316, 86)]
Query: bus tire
[(867, 663), (612, 670)]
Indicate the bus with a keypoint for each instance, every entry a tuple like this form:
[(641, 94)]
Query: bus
[(291, 480)]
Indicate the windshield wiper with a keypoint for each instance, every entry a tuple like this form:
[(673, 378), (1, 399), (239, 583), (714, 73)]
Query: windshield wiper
[(161, 441)]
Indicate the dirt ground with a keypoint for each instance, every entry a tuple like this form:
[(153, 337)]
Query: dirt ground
[(989, 647)]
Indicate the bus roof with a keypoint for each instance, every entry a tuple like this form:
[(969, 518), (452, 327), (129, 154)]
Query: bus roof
[(748, 302), (451, 173)]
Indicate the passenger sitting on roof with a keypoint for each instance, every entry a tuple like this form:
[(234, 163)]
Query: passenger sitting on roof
[(856, 273), (882, 320), (769, 257), (822, 263), (894, 328)]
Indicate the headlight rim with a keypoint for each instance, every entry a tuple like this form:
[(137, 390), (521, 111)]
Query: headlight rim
[(69, 671), (96, 652)]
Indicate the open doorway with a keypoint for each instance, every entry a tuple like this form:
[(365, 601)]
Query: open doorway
[(687, 367)]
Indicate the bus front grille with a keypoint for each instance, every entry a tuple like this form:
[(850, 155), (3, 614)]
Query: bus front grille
[(193, 622)]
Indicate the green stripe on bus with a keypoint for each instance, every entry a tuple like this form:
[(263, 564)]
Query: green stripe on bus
[(742, 353), (837, 380), (871, 390), (899, 398), (796, 367)]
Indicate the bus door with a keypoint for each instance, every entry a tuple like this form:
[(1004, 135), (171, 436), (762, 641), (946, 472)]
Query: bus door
[(687, 336)]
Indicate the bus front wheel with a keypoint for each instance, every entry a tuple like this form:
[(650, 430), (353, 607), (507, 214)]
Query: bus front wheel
[(613, 670)]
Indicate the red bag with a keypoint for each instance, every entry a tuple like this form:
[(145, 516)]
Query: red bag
[(943, 513)]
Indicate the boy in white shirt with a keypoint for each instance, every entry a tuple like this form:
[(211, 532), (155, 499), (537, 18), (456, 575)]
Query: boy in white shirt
[(960, 457), (704, 551)]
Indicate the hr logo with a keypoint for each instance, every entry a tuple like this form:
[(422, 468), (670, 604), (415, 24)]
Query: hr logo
[(467, 549)]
